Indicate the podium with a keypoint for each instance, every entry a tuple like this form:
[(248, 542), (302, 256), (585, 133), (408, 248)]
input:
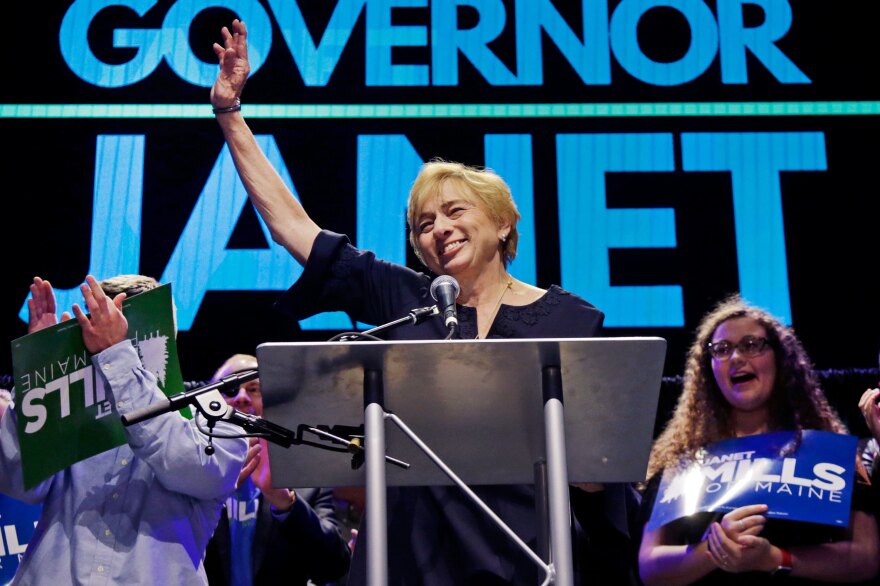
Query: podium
[(489, 409)]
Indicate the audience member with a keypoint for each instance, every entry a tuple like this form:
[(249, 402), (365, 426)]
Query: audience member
[(141, 513), (272, 535), (748, 374)]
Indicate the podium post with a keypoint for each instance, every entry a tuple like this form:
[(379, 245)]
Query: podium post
[(467, 413), (374, 430), (557, 476)]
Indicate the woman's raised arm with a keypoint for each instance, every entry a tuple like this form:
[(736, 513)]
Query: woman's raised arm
[(290, 225)]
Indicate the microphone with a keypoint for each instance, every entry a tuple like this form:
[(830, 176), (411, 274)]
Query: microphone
[(444, 290)]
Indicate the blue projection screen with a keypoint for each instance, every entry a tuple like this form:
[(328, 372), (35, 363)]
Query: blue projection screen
[(663, 153)]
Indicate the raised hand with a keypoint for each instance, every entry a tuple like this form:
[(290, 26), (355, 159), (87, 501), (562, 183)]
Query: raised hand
[(280, 498), (107, 325), (41, 307), (251, 461), (871, 410), (234, 66)]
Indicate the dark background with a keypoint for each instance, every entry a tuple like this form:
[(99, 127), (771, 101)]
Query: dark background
[(830, 217)]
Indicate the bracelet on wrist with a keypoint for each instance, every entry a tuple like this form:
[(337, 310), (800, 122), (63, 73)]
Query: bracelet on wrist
[(234, 108), (785, 566)]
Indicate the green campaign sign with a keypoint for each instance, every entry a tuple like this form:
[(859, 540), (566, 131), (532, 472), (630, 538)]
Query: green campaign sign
[(64, 410)]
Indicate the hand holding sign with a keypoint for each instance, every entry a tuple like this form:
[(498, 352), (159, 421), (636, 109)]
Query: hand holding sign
[(748, 520)]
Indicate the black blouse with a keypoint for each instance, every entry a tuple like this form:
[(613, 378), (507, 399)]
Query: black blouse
[(339, 277), (435, 535)]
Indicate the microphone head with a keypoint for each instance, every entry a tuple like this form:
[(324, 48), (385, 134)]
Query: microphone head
[(444, 281)]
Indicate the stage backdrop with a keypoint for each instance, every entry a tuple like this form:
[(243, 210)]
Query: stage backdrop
[(664, 153)]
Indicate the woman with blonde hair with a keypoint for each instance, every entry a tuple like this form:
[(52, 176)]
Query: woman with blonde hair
[(748, 374), (463, 224)]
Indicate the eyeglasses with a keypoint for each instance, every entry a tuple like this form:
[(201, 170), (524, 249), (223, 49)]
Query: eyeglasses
[(749, 346), (252, 389)]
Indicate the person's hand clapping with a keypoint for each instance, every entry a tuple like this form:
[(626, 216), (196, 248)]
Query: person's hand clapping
[(256, 465), (871, 411), (280, 498), (251, 460), (105, 325), (41, 307), (734, 545)]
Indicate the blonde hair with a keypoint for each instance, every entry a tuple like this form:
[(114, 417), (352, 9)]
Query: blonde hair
[(702, 415), (480, 186)]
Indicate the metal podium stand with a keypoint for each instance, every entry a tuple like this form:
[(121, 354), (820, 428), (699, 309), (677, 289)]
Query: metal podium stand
[(489, 409)]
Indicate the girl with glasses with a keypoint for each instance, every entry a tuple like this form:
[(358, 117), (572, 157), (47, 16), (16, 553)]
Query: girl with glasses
[(748, 374)]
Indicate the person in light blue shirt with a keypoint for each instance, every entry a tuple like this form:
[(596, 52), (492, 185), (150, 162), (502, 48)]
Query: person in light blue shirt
[(17, 520), (141, 513)]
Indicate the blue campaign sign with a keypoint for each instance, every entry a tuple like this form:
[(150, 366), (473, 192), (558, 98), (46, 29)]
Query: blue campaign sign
[(17, 522), (808, 481)]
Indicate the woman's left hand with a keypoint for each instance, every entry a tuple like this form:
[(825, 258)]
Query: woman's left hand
[(234, 66), (747, 553), (734, 545)]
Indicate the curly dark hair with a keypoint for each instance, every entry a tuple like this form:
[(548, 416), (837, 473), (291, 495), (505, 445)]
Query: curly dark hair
[(702, 415)]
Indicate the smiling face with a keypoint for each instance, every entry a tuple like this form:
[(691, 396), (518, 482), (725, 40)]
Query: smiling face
[(476, 186), (746, 382), (455, 235)]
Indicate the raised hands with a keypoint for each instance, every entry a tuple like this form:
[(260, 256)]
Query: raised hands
[(41, 307), (234, 66), (107, 325)]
